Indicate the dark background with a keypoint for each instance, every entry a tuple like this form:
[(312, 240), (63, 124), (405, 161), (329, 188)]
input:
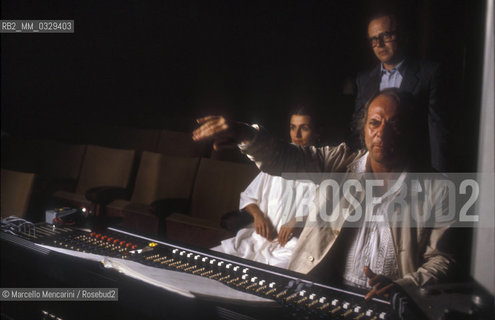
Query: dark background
[(139, 63)]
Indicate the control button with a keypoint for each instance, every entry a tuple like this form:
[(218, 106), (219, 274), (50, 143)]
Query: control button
[(323, 299), (245, 270), (262, 282), (382, 316), (335, 302), (196, 257), (254, 279), (189, 255), (204, 259), (302, 293), (311, 258), (312, 296), (175, 251), (116, 241), (182, 253), (369, 313), (128, 244), (244, 276), (212, 261), (236, 268), (346, 305), (122, 243), (134, 247), (271, 285), (357, 309), (221, 263), (228, 266)]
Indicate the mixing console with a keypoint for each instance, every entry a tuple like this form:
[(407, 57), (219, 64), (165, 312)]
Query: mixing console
[(305, 298)]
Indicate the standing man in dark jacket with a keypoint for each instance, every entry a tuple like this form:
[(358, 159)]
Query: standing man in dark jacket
[(387, 38)]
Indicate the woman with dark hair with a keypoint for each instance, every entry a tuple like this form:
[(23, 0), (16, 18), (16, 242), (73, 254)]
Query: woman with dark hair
[(276, 205)]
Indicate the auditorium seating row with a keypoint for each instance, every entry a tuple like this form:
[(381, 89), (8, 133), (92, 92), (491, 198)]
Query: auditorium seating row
[(184, 196)]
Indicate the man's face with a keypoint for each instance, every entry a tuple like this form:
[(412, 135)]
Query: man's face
[(381, 130), (383, 38), (301, 132)]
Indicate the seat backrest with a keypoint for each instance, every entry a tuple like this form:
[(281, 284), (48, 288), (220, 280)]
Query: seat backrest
[(61, 160), (180, 144), (20, 154), (164, 177), (104, 166), (218, 186), (16, 189), (136, 139)]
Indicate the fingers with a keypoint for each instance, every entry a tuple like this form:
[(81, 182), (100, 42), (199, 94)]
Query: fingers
[(377, 291), (368, 272), (210, 127), (384, 289), (371, 293), (205, 119)]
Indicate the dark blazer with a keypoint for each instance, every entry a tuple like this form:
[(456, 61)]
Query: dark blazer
[(423, 80)]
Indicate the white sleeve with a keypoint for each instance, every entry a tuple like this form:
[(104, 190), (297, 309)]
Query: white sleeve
[(254, 192)]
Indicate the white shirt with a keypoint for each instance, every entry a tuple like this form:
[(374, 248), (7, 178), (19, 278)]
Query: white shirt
[(373, 244), (280, 200)]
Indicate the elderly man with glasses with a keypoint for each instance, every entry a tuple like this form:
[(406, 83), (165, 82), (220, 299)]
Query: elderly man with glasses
[(387, 37)]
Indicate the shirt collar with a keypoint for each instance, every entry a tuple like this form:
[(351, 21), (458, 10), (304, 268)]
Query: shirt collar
[(396, 68)]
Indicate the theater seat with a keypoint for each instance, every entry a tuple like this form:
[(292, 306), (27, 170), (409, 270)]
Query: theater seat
[(101, 167), (216, 191), (163, 183), (16, 193)]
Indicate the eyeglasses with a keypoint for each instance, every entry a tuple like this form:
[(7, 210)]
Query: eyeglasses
[(383, 37)]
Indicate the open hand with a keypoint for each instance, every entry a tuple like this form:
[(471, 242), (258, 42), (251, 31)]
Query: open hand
[(382, 286), (223, 132)]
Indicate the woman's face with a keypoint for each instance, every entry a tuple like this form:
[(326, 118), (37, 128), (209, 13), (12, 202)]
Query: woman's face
[(301, 132)]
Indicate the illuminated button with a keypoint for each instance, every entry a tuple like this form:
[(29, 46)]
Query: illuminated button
[(335, 302), (182, 253), (271, 285), (311, 258), (346, 305), (221, 263), (302, 293), (92, 234), (245, 270), (357, 309), (204, 259), (97, 235), (116, 241), (212, 261), (245, 276), (152, 244), (369, 313), (323, 300), (189, 255), (109, 239), (262, 282), (382, 315), (175, 251), (122, 243), (134, 247), (196, 257), (128, 244), (254, 279), (103, 237), (312, 296), (236, 268), (228, 266)]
